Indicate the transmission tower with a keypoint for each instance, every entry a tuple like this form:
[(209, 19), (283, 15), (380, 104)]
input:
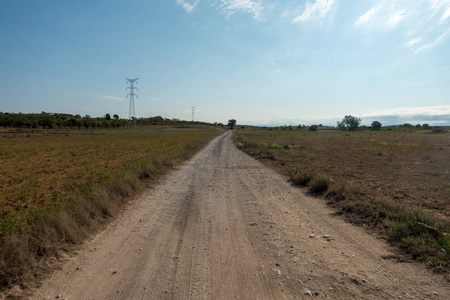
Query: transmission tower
[(192, 113), (131, 111)]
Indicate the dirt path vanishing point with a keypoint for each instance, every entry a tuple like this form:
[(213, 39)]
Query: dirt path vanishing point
[(224, 226)]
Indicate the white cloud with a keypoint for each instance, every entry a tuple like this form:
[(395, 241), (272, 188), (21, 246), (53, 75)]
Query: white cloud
[(446, 14), (442, 110), (248, 6), (108, 97), (435, 42), (414, 41), (413, 115), (433, 115), (383, 15), (396, 18), (317, 10), (442, 5), (367, 16), (100, 96), (188, 6)]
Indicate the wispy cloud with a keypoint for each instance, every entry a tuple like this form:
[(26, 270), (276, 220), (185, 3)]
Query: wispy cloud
[(426, 20), (367, 16), (433, 115), (314, 11), (434, 43), (100, 96), (414, 41), (248, 6), (188, 6), (442, 6), (414, 115), (382, 15), (396, 18)]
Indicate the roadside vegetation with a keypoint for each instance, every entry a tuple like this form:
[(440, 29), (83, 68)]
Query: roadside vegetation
[(60, 186), (46, 120), (393, 180)]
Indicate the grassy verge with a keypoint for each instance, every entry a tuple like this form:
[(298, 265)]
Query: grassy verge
[(73, 199), (394, 183)]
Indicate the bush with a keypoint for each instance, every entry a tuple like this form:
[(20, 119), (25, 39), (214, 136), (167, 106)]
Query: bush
[(319, 183), (302, 176)]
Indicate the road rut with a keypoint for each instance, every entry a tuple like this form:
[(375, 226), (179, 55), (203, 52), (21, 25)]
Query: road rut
[(224, 226)]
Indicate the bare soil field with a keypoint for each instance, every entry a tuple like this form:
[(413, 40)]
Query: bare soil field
[(40, 168), (411, 167), (392, 182), (224, 226)]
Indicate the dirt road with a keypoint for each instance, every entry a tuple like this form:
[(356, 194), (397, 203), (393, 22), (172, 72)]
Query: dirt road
[(224, 226)]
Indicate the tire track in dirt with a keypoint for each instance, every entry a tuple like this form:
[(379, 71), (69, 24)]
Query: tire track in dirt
[(224, 226)]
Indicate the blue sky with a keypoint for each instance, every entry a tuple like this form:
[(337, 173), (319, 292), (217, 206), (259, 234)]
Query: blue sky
[(258, 61)]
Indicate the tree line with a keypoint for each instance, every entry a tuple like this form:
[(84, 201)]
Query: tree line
[(61, 120)]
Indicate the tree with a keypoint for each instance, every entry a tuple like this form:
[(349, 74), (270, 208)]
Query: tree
[(313, 128), (107, 117), (232, 123), (349, 122), (376, 125), (47, 120), (425, 126), (87, 121)]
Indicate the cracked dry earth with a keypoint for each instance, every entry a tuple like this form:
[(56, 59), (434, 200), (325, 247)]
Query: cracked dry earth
[(224, 226)]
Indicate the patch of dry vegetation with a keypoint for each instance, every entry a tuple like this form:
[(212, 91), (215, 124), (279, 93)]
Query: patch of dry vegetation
[(394, 181), (56, 191)]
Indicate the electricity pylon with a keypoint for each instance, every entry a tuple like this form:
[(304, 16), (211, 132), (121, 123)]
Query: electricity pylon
[(131, 111)]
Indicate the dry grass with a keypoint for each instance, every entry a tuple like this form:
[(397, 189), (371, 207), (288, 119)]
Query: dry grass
[(353, 169), (56, 191), (38, 172)]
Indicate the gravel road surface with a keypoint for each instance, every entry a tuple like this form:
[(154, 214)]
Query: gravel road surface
[(224, 226)]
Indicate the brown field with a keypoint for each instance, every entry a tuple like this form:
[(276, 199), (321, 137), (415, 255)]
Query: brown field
[(40, 168), (394, 183), (413, 168)]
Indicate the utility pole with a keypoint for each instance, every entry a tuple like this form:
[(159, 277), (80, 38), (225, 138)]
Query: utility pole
[(192, 113), (131, 111)]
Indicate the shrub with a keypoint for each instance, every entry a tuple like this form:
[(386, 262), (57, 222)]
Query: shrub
[(302, 176), (319, 183)]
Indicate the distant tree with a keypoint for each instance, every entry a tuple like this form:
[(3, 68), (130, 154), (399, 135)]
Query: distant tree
[(72, 123), (77, 116), (376, 125), (231, 123), (349, 122), (418, 126), (425, 126), (107, 117), (105, 124), (19, 120), (94, 123), (59, 123), (47, 120), (313, 128), (87, 121)]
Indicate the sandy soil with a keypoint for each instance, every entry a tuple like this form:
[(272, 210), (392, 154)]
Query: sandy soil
[(224, 226)]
